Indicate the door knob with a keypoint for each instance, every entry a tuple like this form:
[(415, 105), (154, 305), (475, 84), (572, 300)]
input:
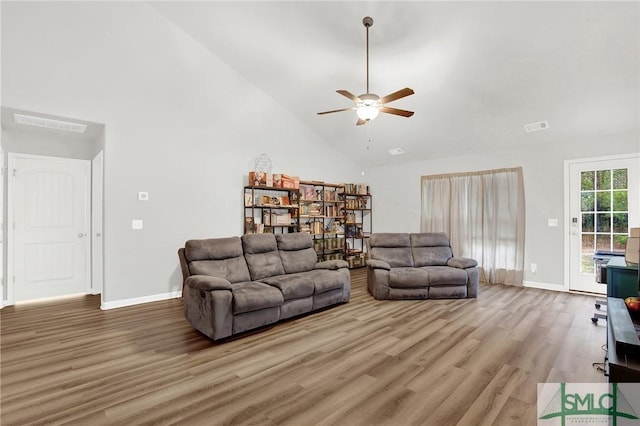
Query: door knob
[(81, 234)]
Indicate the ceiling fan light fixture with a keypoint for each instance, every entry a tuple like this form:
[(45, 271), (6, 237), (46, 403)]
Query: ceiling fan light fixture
[(368, 110)]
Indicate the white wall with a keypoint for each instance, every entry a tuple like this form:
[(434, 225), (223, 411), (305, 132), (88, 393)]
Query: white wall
[(543, 169), (179, 124)]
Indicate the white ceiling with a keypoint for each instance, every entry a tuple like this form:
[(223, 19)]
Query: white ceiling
[(480, 70)]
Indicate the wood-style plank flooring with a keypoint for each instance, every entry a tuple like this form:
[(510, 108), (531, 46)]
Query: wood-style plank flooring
[(433, 362)]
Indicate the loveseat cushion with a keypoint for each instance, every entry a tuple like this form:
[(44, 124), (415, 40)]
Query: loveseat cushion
[(296, 252), (292, 286), (393, 248), (261, 255), (446, 275), (251, 296), (218, 257), (430, 249), (462, 262), (408, 278)]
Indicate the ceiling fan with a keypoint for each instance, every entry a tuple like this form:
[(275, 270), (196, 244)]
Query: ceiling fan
[(368, 105)]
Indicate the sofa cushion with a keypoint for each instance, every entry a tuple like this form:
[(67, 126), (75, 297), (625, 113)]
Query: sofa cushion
[(261, 254), (390, 239), (431, 256), (429, 239), (292, 286), (325, 280), (218, 257), (430, 248), (213, 249), (252, 296), (408, 278), (396, 257), (296, 252), (446, 275), (393, 248)]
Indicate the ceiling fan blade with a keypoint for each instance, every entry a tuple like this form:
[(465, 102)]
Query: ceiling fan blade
[(335, 110), (349, 95), (396, 95), (396, 111), (360, 122)]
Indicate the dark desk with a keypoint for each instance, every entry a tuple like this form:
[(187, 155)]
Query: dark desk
[(622, 278), (623, 346)]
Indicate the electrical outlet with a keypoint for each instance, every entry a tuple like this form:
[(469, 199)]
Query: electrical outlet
[(137, 224), (534, 268)]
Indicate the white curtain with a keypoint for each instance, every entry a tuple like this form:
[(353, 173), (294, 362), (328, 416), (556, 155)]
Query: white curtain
[(483, 214)]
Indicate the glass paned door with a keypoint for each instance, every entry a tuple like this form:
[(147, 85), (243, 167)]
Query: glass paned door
[(604, 204), (604, 196)]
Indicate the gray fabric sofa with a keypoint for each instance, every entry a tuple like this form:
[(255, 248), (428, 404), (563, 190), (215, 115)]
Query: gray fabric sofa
[(418, 266), (236, 284)]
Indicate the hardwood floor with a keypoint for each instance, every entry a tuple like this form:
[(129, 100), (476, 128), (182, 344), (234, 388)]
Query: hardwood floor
[(433, 362)]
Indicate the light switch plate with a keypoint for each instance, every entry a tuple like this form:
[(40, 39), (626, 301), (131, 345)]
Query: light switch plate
[(553, 222), (143, 196), (137, 224)]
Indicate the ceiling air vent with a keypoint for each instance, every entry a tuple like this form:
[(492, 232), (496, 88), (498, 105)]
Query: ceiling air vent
[(396, 151), (534, 127), (48, 123)]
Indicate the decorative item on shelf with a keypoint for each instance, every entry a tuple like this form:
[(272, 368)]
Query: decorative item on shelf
[(308, 192), (262, 164)]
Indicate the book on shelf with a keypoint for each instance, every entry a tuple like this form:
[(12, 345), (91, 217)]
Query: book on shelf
[(250, 227), (357, 188), (248, 199), (312, 209), (357, 203)]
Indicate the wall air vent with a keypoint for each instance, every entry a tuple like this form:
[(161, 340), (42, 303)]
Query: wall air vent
[(534, 127), (396, 151), (49, 123)]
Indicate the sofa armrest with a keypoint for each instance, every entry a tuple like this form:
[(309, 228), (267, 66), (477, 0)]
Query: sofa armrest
[(331, 264), (378, 264), (462, 262), (207, 283)]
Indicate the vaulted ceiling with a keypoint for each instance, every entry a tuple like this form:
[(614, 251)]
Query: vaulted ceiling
[(480, 70)]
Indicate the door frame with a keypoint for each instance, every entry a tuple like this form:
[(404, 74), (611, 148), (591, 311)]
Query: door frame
[(97, 225), (567, 204), (10, 278)]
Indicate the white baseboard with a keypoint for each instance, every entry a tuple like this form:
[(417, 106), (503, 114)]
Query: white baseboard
[(140, 300), (544, 286)]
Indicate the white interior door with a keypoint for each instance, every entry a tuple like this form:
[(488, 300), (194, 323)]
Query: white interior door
[(50, 209), (604, 204), (96, 223)]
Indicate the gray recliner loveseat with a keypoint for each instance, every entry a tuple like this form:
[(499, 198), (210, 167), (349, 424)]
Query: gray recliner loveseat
[(418, 266), (236, 284)]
